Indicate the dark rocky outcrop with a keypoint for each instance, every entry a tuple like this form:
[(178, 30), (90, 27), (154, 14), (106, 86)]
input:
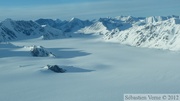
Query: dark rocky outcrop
[(56, 68)]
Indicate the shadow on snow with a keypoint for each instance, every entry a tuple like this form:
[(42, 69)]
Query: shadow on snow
[(69, 69), (67, 52), (58, 52)]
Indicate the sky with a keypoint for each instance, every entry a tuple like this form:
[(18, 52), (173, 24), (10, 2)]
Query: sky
[(85, 9)]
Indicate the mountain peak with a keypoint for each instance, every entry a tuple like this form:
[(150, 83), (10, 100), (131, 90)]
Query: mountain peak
[(74, 19)]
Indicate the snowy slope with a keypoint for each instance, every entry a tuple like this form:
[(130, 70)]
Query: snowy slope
[(153, 33), (96, 28), (49, 32), (105, 25)]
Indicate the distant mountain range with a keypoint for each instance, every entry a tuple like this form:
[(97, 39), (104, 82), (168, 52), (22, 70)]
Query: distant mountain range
[(152, 32)]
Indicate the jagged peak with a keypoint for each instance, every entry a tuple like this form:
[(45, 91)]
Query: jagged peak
[(74, 19)]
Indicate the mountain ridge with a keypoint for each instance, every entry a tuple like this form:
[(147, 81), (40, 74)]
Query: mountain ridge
[(162, 32)]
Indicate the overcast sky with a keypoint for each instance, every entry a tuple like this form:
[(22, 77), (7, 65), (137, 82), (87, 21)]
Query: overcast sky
[(85, 9)]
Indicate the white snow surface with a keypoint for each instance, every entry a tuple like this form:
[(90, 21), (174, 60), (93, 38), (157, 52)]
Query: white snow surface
[(96, 71)]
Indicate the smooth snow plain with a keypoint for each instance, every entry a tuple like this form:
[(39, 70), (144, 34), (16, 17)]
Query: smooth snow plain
[(96, 71)]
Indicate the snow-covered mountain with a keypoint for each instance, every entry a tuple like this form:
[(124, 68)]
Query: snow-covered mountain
[(152, 32), (104, 25), (12, 30), (70, 26)]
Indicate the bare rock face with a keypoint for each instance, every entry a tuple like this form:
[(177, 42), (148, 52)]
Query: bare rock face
[(55, 68), (39, 51)]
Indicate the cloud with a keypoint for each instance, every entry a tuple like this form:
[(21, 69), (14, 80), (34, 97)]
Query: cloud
[(64, 11), (93, 10)]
